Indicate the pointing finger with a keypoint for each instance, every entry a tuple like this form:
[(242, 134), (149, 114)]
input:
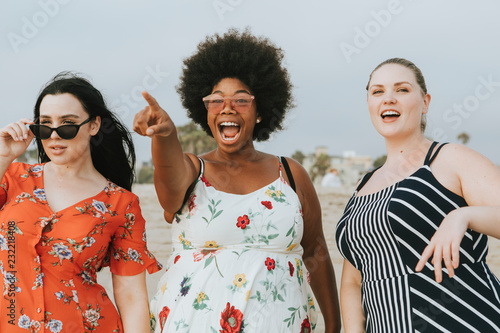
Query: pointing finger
[(151, 100)]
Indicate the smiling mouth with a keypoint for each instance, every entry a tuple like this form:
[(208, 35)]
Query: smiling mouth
[(229, 130), (390, 114)]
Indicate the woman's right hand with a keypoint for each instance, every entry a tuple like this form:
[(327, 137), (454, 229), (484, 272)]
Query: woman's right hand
[(15, 139), (153, 120)]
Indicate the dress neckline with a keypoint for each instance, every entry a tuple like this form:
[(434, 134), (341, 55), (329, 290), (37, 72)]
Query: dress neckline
[(280, 178), (390, 186), (253, 192), (42, 177), (429, 158)]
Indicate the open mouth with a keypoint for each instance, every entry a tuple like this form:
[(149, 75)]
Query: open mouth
[(390, 114), (229, 130)]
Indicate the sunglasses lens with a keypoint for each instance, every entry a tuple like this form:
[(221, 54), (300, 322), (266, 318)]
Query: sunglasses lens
[(41, 131), (67, 132)]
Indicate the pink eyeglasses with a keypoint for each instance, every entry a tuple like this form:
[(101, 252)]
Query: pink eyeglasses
[(240, 102)]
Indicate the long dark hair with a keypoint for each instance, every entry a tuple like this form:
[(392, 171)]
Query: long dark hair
[(112, 149)]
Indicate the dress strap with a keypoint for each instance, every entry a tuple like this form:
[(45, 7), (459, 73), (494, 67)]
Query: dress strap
[(430, 157), (202, 167), (284, 162), (193, 184), (365, 179)]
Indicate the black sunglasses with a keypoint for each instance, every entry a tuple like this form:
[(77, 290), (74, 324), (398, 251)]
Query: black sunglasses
[(66, 132)]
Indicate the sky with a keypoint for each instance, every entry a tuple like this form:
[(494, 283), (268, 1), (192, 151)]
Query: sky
[(330, 48)]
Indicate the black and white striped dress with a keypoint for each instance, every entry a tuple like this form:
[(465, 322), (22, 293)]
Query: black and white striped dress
[(383, 235)]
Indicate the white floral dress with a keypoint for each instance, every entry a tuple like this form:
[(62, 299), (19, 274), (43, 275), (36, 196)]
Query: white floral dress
[(236, 264)]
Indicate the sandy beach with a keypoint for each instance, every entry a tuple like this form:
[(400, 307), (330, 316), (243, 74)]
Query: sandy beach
[(332, 201)]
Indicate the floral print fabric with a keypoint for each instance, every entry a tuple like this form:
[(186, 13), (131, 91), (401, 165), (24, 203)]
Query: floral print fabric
[(236, 264), (49, 260)]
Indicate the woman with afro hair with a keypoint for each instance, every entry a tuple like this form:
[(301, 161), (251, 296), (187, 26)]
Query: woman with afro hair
[(247, 236)]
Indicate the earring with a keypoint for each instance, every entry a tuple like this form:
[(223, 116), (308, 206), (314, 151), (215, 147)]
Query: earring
[(258, 120)]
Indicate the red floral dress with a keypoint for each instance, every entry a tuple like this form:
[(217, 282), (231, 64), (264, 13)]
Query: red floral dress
[(49, 260), (236, 264)]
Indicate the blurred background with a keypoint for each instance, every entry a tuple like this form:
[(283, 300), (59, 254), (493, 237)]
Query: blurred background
[(330, 49)]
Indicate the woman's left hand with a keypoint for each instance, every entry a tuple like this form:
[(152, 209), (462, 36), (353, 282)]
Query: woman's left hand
[(445, 244)]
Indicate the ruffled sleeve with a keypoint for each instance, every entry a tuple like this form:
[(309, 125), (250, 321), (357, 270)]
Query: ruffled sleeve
[(14, 169), (128, 253), (4, 187)]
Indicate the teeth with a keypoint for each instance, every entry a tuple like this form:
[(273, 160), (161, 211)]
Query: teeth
[(229, 123), (390, 113)]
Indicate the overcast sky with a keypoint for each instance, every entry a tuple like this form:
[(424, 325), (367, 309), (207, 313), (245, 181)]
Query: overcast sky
[(330, 48)]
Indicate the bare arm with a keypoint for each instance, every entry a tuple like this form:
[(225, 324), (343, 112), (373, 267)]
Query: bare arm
[(131, 298), (174, 170), (353, 315), (316, 256), (478, 182)]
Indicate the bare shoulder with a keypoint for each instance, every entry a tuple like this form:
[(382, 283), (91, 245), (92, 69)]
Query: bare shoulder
[(477, 176), (194, 161), (298, 171), (464, 159), (303, 184)]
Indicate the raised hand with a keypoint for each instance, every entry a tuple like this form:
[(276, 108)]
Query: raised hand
[(153, 120), (15, 139), (445, 245)]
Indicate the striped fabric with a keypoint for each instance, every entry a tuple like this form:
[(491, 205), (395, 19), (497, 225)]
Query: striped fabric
[(383, 235)]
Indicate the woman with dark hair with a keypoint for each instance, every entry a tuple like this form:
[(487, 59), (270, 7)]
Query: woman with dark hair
[(428, 201), (245, 224), (64, 219)]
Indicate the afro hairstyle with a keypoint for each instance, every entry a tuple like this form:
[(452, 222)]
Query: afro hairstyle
[(255, 61)]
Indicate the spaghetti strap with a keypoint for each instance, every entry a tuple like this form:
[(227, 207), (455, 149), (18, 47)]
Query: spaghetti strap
[(365, 179), (193, 184), (288, 171), (202, 167), (429, 152), (429, 159)]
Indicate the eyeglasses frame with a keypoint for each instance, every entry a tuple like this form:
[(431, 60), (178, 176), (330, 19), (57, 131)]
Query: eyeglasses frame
[(232, 98)]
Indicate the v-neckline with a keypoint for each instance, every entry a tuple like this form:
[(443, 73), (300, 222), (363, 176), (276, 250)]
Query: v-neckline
[(72, 205)]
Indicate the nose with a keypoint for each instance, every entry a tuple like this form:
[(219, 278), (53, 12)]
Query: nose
[(228, 107), (54, 134), (389, 97)]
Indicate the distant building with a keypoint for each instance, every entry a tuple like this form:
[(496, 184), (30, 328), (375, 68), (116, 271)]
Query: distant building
[(350, 166)]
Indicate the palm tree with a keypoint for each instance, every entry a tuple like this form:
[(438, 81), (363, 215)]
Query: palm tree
[(320, 166), (379, 161), (194, 140), (299, 156), (463, 137)]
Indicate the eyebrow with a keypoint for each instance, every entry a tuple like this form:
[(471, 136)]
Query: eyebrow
[(66, 116), (396, 84), (239, 91)]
